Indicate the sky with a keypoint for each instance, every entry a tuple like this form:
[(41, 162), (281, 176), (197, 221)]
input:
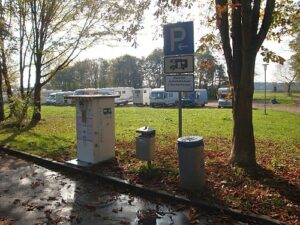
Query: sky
[(150, 38)]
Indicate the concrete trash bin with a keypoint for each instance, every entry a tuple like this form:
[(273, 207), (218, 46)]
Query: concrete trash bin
[(191, 162), (145, 143)]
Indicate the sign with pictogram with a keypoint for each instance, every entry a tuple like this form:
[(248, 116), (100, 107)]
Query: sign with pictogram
[(179, 64)]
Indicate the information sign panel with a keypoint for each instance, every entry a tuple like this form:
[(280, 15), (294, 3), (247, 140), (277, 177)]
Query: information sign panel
[(178, 83)]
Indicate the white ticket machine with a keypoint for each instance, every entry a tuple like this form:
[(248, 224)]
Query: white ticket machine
[(95, 128)]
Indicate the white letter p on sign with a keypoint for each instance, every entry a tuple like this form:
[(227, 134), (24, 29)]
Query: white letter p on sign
[(181, 34)]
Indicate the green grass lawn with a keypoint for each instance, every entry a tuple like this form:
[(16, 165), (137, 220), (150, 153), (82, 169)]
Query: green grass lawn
[(205, 122), (55, 134), (296, 94), (281, 97), (271, 190)]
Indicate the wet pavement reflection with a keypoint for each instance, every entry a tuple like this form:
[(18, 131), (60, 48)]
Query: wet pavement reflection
[(30, 194)]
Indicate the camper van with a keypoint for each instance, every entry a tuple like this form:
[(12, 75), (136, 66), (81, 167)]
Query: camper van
[(125, 94), (46, 93), (224, 98), (141, 96), (86, 91), (58, 98), (198, 97), (159, 97)]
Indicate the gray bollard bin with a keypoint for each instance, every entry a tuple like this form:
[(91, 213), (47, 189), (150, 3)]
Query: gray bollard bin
[(191, 162), (145, 143)]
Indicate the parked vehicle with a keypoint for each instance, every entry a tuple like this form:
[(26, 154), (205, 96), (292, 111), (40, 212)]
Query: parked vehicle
[(46, 93), (125, 94), (58, 98), (159, 97), (141, 96), (86, 91), (198, 97), (106, 91), (224, 98)]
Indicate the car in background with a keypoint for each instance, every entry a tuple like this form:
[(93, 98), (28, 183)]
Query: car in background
[(195, 98), (58, 98), (124, 93), (141, 96), (159, 98), (224, 97)]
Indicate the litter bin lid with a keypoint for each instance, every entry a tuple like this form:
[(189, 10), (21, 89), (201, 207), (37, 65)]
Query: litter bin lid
[(146, 130), (190, 141)]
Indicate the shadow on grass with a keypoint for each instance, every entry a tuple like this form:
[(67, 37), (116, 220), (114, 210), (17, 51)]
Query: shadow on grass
[(16, 130), (283, 186), (39, 144)]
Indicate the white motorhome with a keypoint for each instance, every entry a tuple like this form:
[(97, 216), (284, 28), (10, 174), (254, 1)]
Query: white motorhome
[(46, 93), (58, 98), (86, 91), (198, 97), (106, 91), (159, 97), (224, 98), (125, 94), (141, 96)]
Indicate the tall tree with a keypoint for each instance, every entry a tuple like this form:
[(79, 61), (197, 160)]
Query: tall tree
[(83, 74), (6, 46), (21, 11), (221, 77), (153, 69), (59, 30), (2, 115), (243, 26), (104, 80), (206, 66), (295, 45), (125, 72), (285, 74)]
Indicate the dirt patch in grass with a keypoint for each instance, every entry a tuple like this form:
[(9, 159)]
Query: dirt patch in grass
[(273, 188)]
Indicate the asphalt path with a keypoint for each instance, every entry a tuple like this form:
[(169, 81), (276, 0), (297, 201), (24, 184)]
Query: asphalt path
[(294, 108), (31, 194)]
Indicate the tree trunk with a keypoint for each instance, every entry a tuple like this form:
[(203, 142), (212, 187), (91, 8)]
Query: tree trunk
[(36, 116), (5, 78), (243, 149), (289, 89), (241, 39), (4, 69), (2, 115), (200, 81)]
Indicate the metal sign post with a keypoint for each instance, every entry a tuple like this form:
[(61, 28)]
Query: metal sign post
[(179, 83), (179, 114), (179, 59)]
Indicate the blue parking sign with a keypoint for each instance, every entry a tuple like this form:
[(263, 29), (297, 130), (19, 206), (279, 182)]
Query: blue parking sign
[(179, 38)]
